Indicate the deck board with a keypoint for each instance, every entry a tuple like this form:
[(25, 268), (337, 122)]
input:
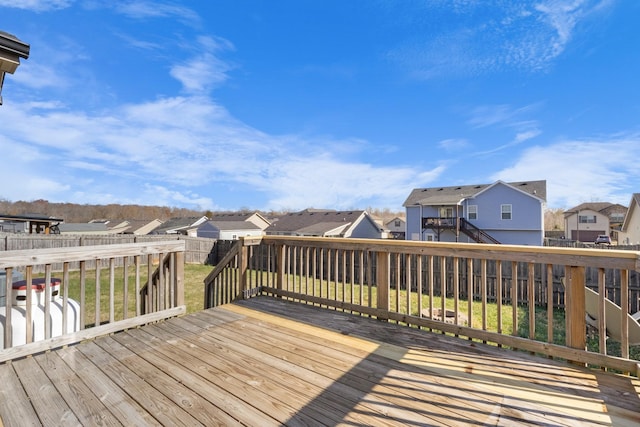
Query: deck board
[(269, 362)]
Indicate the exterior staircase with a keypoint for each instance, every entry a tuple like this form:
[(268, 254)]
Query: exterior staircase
[(477, 234)]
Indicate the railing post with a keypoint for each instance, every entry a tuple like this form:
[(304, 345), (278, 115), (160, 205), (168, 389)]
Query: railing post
[(383, 282), (575, 307)]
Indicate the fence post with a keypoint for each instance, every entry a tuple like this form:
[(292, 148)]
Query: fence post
[(575, 307), (383, 281)]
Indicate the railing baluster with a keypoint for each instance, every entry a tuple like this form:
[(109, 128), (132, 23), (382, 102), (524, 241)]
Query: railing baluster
[(531, 290), (83, 296), (97, 318), (65, 298), (47, 302), (112, 295), (550, 320), (514, 297), (624, 316), (470, 292)]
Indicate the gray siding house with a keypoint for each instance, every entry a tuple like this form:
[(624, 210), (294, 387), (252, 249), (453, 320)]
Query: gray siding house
[(507, 213)]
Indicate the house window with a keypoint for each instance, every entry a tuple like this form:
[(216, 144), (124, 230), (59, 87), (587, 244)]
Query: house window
[(587, 219), (472, 212), (505, 211), (446, 212), (617, 217), (429, 238), (397, 223)]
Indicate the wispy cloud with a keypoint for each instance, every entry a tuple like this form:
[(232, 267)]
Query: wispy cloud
[(205, 71), (525, 35), (453, 144), (143, 9), (504, 116)]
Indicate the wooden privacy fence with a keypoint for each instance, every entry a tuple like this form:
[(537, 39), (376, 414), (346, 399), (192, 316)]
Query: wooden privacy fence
[(428, 284), (95, 299), (198, 250)]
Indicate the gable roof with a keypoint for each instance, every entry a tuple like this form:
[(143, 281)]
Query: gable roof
[(604, 208), (317, 222), (231, 225), (83, 227), (230, 216), (454, 195), (174, 224), (254, 217)]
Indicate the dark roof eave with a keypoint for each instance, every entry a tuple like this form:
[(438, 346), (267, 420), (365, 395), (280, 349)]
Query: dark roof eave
[(11, 43)]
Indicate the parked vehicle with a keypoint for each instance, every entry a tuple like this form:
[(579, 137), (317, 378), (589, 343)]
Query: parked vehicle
[(603, 239)]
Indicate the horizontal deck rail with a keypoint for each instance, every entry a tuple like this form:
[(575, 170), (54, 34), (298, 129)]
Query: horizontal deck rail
[(500, 294), (90, 301)]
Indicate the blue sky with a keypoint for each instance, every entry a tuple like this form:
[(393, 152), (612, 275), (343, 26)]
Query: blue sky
[(343, 104)]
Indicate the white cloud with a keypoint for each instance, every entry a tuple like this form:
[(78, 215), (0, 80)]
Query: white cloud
[(184, 151), (326, 182), (580, 171)]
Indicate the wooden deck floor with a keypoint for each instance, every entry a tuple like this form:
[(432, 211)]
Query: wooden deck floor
[(267, 362)]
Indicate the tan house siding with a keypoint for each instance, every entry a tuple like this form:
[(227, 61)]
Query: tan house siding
[(630, 233)]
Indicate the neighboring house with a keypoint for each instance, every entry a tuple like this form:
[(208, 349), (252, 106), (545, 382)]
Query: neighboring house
[(509, 213), (253, 217), (397, 228), (586, 221), (228, 230), (187, 226), (629, 233), (29, 223), (326, 223)]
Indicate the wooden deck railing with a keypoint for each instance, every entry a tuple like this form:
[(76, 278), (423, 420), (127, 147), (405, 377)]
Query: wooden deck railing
[(504, 295), (96, 302)]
